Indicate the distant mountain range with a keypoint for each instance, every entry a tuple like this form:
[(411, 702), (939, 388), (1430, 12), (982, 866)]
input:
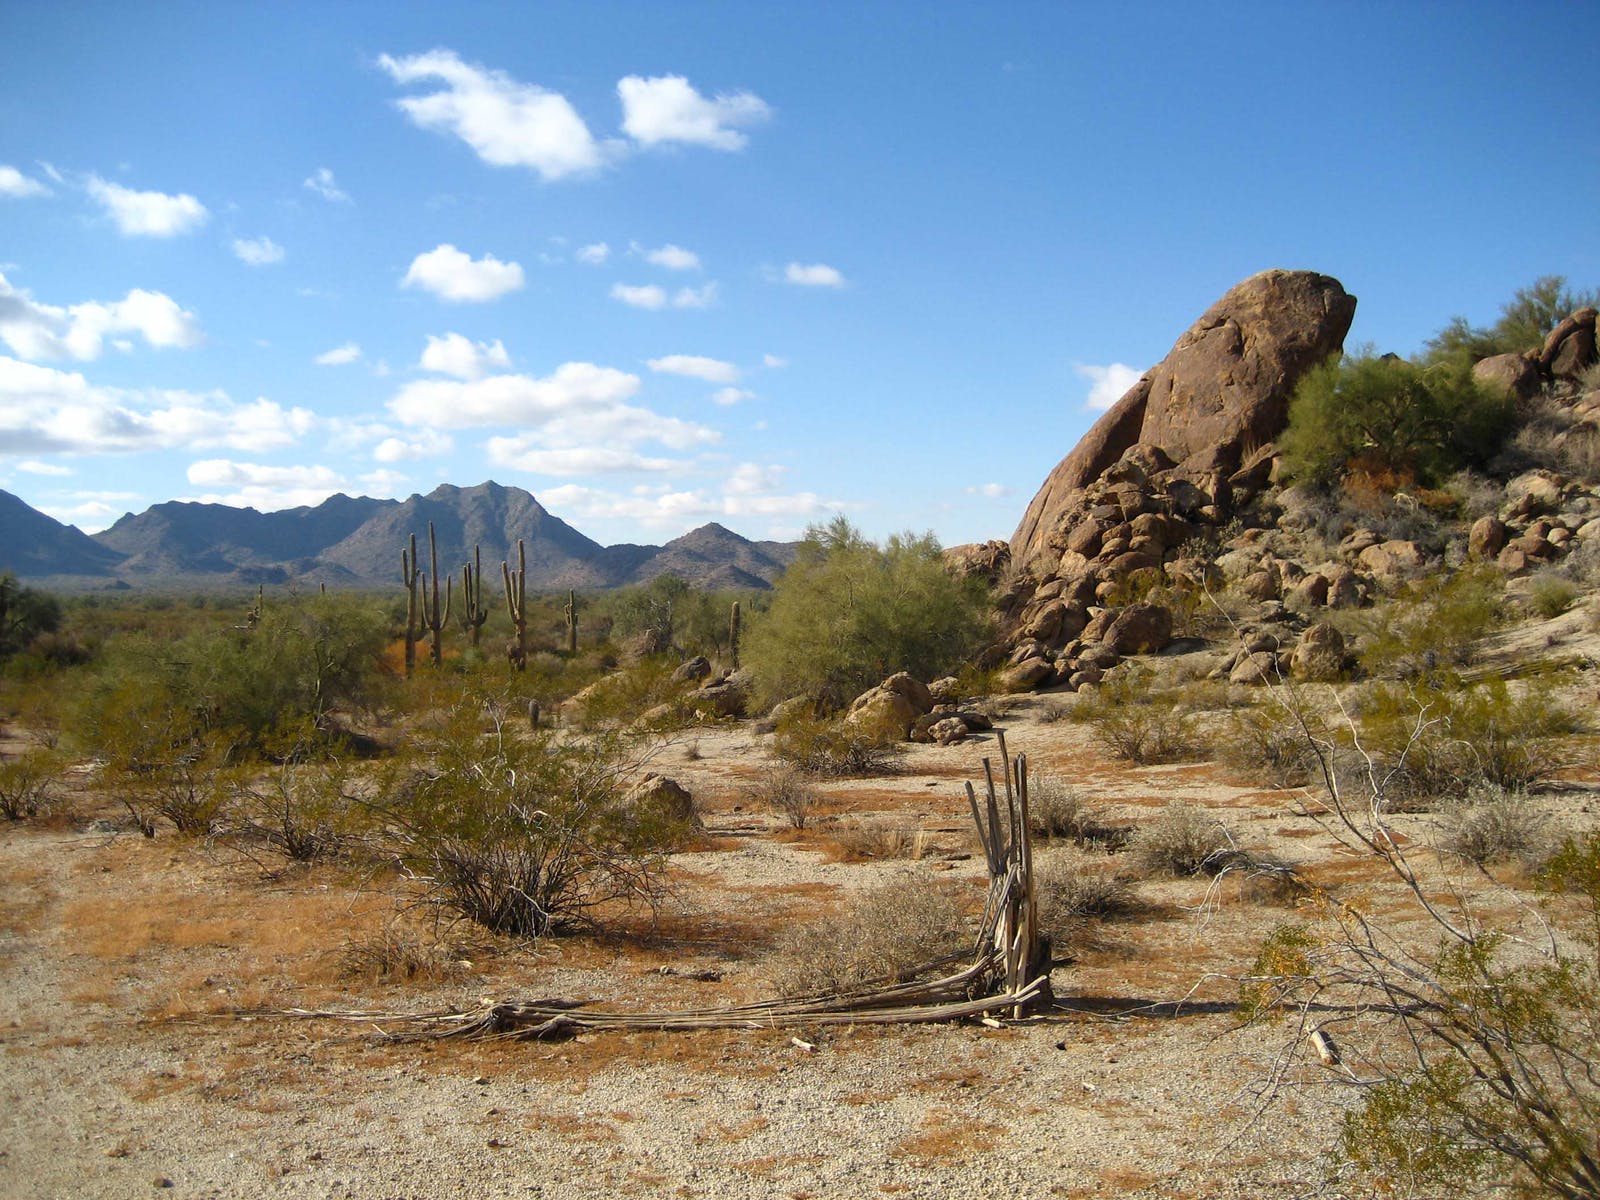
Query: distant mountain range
[(356, 542)]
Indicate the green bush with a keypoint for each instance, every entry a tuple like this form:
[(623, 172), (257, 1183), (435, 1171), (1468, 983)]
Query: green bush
[(1494, 826), (823, 747), (1392, 419), (1525, 321), (848, 614), (25, 613), (1550, 594), (525, 833), (1137, 721), (26, 784), (1434, 625)]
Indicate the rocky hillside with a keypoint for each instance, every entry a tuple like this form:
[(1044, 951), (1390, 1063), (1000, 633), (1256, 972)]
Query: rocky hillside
[(356, 542), (1177, 491)]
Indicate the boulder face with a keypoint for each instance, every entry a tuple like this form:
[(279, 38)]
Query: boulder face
[(1224, 386)]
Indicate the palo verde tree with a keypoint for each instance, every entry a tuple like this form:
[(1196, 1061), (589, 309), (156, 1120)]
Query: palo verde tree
[(1525, 321), (847, 613), (1473, 1035)]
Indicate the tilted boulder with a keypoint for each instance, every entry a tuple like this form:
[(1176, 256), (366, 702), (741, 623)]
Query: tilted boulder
[(1224, 385), (1571, 345), (1515, 374), (667, 797)]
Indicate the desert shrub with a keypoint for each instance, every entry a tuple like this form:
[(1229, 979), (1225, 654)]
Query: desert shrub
[(870, 841), (621, 697), (790, 794), (398, 952), (1495, 825), (822, 747), (1551, 595), (1138, 722), (1272, 743), (1440, 738), (847, 614), (1435, 624), (1071, 894), (25, 613), (191, 785), (1387, 415), (26, 784), (300, 807), (524, 833), (1525, 321), (886, 934), (1183, 840), (1058, 810)]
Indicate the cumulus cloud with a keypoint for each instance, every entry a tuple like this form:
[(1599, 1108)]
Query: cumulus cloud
[(646, 296), (993, 491), (507, 123), (667, 109), (594, 254), (1108, 383), (712, 370), (673, 258), (254, 485), (17, 186), (511, 399), (321, 182), (518, 455), (43, 410), (41, 468), (147, 214), (813, 275), (45, 331), (257, 252), (339, 356), (422, 443), (459, 278), (773, 363), (731, 395), (456, 355), (700, 297), (747, 493)]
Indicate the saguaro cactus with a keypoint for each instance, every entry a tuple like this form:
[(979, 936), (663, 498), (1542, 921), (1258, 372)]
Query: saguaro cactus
[(473, 611), (572, 622), (433, 617), (410, 576), (734, 625), (517, 606)]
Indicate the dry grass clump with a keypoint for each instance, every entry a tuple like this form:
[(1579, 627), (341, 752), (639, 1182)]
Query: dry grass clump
[(1072, 894), (864, 841), (790, 794), (885, 933), (1551, 594), (1183, 840), (1496, 825), (397, 953), (1056, 809)]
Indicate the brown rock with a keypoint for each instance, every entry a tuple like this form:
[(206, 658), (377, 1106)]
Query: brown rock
[(1345, 589), (978, 560), (1026, 676), (1571, 345), (881, 711), (1226, 382), (1319, 655), (1487, 537), (1515, 374), (1260, 667), (948, 731), (903, 684), (1140, 629), (696, 669), (1312, 591), (1393, 560), (656, 793)]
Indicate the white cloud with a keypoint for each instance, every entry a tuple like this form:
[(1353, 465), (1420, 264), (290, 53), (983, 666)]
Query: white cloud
[(577, 460), (147, 214), (731, 395), (648, 296), (1108, 383), (44, 331), (712, 370), (991, 490), (773, 363), (323, 184), (257, 252), (16, 185), (255, 485), (813, 275), (749, 479), (422, 443), (43, 410), (700, 297), (459, 278), (511, 399), (339, 356), (594, 254), (456, 355), (743, 495), (508, 124), (667, 109), (42, 468), (673, 258), (385, 484)]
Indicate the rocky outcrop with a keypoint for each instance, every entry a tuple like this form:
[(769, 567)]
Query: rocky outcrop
[(1224, 387), (1570, 347)]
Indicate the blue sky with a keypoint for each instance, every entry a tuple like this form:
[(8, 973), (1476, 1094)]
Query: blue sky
[(662, 264)]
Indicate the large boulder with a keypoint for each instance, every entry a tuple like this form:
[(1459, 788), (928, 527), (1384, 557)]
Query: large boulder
[(666, 797), (1224, 385), (1571, 345), (1517, 375)]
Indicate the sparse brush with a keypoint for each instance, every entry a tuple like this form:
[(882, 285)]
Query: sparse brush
[(1137, 722), (1550, 594), (790, 794), (1183, 841), (1272, 744), (26, 784), (888, 933), (862, 841), (1496, 825), (398, 953), (1058, 810), (1069, 891), (820, 747)]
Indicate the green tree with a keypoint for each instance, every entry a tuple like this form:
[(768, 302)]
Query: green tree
[(25, 613), (1525, 321), (848, 613), (1384, 414)]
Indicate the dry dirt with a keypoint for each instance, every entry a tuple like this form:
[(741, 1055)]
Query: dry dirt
[(135, 1056)]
